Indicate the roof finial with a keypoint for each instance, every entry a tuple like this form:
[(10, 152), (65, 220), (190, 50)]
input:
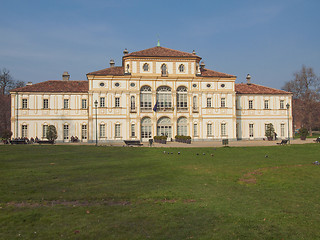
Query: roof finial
[(158, 44)]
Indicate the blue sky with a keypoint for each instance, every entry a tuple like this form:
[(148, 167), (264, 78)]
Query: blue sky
[(271, 40)]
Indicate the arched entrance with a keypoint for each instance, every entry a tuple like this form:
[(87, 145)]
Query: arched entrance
[(164, 127), (146, 129)]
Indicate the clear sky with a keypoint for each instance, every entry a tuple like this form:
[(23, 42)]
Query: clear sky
[(271, 39)]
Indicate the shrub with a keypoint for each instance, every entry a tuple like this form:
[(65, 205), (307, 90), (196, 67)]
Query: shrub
[(52, 133), (303, 132), (270, 130), (160, 137)]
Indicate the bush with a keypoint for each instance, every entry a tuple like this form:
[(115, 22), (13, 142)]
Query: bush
[(303, 132), (52, 133), (180, 137), (270, 130), (160, 137), (6, 134)]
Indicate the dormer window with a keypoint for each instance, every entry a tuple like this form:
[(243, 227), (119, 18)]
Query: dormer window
[(164, 71), (146, 67), (181, 68)]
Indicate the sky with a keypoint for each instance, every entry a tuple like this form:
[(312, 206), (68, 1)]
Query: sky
[(270, 39)]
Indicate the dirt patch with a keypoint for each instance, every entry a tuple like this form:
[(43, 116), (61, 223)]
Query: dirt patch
[(250, 177), (65, 203)]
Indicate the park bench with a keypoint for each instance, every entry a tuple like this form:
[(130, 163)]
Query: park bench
[(45, 142), (283, 142), (19, 141), (133, 142), (317, 140)]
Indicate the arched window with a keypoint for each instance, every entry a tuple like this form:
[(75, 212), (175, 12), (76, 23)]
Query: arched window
[(127, 68), (145, 98), (146, 67), (132, 103), (194, 103), (164, 97), (182, 126), (164, 127), (146, 126), (181, 68), (164, 71), (182, 97)]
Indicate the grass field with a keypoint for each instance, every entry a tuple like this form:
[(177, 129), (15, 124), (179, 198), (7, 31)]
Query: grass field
[(88, 192)]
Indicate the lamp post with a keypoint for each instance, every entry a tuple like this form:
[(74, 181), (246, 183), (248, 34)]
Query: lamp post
[(96, 105), (288, 106)]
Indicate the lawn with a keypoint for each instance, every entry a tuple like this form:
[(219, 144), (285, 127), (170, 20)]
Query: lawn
[(88, 192)]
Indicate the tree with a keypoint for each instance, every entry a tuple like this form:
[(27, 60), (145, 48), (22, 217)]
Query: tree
[(7, 83), (52, 133), (306, 96), (270, 131)]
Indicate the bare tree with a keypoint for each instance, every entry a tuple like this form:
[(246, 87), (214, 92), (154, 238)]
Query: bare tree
[(306, 95), (7, 83)]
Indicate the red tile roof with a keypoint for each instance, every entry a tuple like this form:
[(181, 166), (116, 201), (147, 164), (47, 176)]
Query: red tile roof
[(244, 88), (211, 73), (161, 52), (114, 71), (56, 86)]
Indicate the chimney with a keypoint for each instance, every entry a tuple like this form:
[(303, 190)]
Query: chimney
[(194, 52), (125, 51), (29, 84), (248, 79), (65, 76), (111, 63), (202, 65)]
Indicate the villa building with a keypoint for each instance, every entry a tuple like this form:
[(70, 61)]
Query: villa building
[(156, 91)]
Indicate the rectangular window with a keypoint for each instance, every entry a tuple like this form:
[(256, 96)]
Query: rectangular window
[(209, 102), (251, 130), (250, 104), (117, 130), (282, 129), (133, 103), (66, 103), (65, 132), (84, 103), (24, 132), (145, 100), (133, 130), (281, 104), (195, 129), (266, 104), (182, 100), (102, 130), (45, 103), (209, 129), (24, 103), (102, 102), (84, 131), (223, 102), (265, 128), (45, 131), (223, 129), (117, 102)]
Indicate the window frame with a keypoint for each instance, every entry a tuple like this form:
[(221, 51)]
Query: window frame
[(102, 102), (209, 102), (250, 104), (45, 103), (66, 103), (117, 102), (24, 104), (223, 102), (84, 104), (117, 130)]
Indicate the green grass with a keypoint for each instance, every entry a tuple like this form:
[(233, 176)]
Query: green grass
[(87, 192)]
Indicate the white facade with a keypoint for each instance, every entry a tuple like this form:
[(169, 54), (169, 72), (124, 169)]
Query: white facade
[(149, 96)]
